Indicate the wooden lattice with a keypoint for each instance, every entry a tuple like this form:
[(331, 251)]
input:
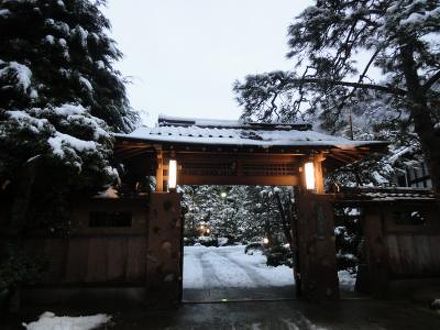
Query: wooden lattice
[(208, 169), (256, 169), (237, 168)]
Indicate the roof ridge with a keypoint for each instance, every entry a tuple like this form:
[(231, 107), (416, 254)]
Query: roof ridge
[(164, 121)]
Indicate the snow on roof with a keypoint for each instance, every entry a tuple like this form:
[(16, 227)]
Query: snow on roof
[(387, 194), (237, 133), (165, 120)]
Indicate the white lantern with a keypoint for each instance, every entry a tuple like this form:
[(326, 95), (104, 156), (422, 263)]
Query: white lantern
[(172, 174), (309, 170)]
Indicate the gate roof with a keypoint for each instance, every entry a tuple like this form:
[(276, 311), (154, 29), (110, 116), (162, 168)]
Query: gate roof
[(235, 152), (181, 131)]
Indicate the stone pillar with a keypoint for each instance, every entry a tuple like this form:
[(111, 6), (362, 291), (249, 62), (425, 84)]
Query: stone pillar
[(164, 275)]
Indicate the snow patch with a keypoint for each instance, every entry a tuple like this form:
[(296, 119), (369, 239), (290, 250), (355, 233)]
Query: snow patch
[(61, 141), (62, 42), (77, 113), (347, 280), (232, 268), (49, 321), (33, 94), (20, 72), (50, 39), (83, 34), (100, 64), (436, 304), (5, 12), (86, 83), (23, 119)]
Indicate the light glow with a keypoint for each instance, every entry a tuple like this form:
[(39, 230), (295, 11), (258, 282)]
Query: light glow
[(223, 194), (265, 240), (309, 170), (172, 174)]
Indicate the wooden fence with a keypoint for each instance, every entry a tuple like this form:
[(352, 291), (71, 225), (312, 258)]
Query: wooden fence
[(107, 246)]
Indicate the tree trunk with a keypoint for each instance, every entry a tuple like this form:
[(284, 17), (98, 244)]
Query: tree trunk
[(284, 220), (419, 110)]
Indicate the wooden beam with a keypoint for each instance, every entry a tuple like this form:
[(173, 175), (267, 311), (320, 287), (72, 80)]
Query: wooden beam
[(343, 157), (319, 176), (339, 158), (291, 180), (130, 153)]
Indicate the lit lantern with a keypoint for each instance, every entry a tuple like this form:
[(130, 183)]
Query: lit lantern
[(172, 174), (309, 170)]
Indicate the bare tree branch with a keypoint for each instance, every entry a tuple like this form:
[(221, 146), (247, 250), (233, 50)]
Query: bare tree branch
[(319, 81), (362, 76)]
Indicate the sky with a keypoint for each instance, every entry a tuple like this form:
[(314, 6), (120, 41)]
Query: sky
[(183, 56)]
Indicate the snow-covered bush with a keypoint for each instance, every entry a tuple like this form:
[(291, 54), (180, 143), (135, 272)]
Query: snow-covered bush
[(348, 239), (253, 247), (278, 255)]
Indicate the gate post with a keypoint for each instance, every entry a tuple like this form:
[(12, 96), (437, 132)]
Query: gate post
[(163, 282), (376, 250), (316, 247)]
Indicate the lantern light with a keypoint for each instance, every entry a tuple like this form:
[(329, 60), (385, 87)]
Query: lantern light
[(310, 175), (172, 174)]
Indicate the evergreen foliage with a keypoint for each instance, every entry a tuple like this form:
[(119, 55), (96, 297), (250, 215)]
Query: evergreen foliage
[(59, 99), (240, 214)]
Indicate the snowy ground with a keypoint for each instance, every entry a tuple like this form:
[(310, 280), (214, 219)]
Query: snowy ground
[(229, 267), (49, 321), (221, 267)]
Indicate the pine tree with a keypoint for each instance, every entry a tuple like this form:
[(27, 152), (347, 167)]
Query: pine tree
[(399, 37), (60, 98)]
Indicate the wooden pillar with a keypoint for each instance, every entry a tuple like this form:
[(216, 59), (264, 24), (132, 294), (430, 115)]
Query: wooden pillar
[(316, 253), (163, 250), (159, 170), (376, 248), (319, 175)]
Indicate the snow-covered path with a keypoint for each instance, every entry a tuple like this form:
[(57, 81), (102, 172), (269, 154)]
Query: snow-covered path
[(229, 267)]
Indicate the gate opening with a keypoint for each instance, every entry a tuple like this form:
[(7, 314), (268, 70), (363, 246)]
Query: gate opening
[(236, 243)]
